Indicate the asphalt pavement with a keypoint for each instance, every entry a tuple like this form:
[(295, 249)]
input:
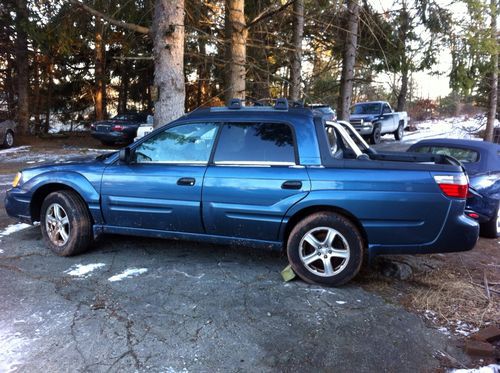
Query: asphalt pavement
[(148, 305)]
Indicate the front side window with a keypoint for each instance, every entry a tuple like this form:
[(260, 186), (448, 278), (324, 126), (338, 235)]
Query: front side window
[(255, 143), (186, 143)]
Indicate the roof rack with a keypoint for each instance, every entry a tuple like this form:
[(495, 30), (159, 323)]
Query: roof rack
[(235, 104)]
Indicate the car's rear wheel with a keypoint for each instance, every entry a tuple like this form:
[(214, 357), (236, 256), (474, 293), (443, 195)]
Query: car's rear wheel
[(66, 224), (8, 141), (376, 135), (398, 135), (491, 229), (325, 248)]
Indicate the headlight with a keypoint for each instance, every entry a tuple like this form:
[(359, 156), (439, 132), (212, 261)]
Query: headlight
[(17, 179)]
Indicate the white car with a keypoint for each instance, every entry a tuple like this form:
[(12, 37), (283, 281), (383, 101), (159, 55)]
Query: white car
[(145, 128)]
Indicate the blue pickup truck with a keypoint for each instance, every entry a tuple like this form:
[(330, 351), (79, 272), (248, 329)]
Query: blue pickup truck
[(376, 118), (274, 177)]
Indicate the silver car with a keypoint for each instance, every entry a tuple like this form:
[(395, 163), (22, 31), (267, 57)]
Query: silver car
[(7, 133)]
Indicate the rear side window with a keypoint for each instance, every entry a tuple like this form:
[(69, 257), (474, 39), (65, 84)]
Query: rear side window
[(461, 154), (254, 143)]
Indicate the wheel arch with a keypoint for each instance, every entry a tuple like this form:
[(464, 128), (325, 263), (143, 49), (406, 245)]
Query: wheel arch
[(312, 209), (85, 192)]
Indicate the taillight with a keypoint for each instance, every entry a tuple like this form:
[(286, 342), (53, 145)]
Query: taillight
[(455, 186), (118, 128)]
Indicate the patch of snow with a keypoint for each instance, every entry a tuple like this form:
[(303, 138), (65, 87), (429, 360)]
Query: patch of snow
[(130, 272), (24, 148), (188, 275), (83, 270), (14, 228), (444, 330), (492, 368), (452, 128), (1, 251), (57, 126), (340, 302), (321, 291)]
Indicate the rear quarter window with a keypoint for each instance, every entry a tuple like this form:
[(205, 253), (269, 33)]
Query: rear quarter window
[(461, 154), (255, 143)]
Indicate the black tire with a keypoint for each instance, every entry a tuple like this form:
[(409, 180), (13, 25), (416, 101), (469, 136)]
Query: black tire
[(376, 135), (107, 143), (8, 140), (490, 229), (64, 213), (399, 133), (347, 241)]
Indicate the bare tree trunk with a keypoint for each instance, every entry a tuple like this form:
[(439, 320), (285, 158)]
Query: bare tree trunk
[(238, 38), (348, 61), (23, 113), (298, 34), (36, 92), (493, 96), (124, 86), (9, 83), (100, 69), (48, 101), (403, 92), (404, 29), (168, 50)]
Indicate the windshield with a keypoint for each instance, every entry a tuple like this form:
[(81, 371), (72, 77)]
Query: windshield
[(366, 109)]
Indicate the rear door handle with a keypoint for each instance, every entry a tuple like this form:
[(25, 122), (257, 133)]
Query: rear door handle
[(292, 184), (186, 181)]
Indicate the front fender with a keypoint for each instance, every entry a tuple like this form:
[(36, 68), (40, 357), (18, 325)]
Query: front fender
[(68, 179)]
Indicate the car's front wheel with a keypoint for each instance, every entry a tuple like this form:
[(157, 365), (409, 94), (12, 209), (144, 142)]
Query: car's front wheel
[(66, 224), (376, 135), (325, 248)]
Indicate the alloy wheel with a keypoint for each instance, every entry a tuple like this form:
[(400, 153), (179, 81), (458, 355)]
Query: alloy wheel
[(324, 251), (57, 224)]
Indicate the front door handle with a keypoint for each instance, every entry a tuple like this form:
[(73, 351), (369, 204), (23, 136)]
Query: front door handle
[(292, 184), (186, 181)]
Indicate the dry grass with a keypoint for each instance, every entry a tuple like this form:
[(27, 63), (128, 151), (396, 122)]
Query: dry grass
[(453, 297)]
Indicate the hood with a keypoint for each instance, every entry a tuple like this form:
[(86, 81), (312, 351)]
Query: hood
[(78, 166)]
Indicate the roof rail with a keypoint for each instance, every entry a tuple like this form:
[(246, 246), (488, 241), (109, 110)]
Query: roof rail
[(281, 104), (235, 104)]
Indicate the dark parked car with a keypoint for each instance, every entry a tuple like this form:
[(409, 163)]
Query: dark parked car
[(324, 111), (122, 128), (481, 160), (276, 178), (7, 133)]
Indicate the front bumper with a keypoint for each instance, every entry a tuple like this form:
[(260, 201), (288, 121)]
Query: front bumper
[(459, 233), (364, 129), (17, 205)]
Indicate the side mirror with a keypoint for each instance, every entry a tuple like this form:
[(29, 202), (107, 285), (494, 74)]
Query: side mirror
[(125, 155)]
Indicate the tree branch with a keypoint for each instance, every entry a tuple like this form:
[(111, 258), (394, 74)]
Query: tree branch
[(129, 26), (268, 13)]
